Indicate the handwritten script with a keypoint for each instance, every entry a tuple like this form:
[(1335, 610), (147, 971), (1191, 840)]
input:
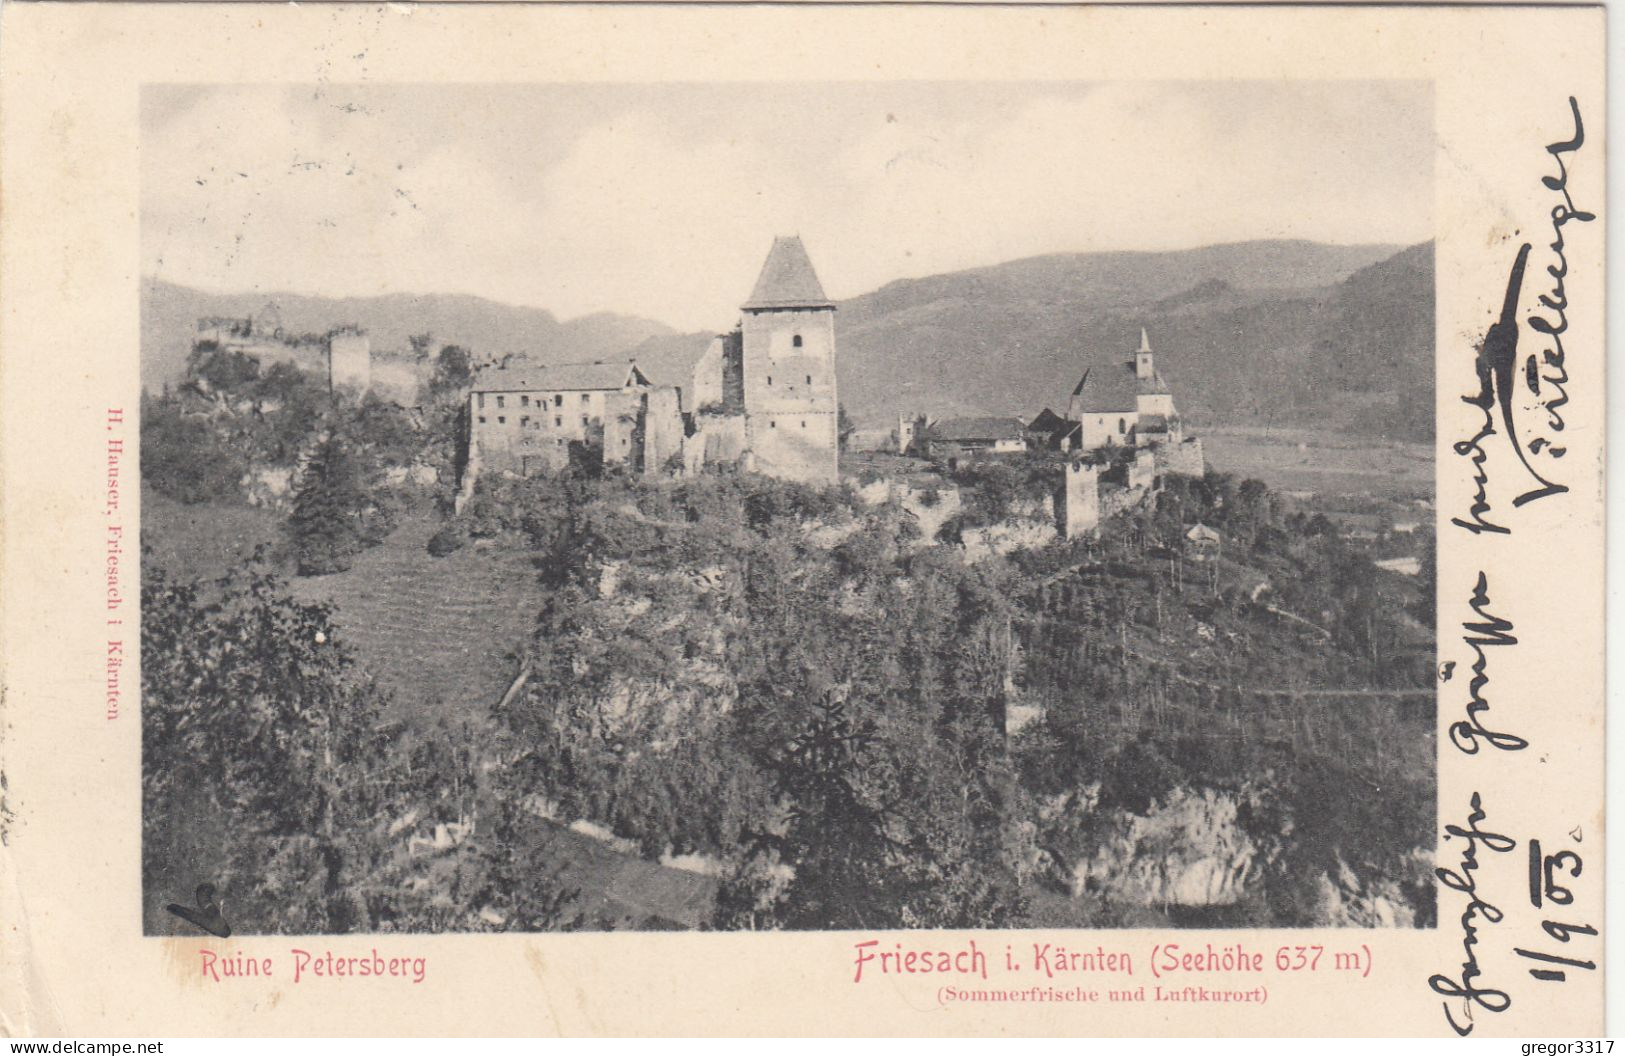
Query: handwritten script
[(1523, 395), (1505, 384), (1464, 983)]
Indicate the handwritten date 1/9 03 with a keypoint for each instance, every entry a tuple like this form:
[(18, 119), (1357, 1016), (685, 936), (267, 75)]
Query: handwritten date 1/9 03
[(1546, 871)]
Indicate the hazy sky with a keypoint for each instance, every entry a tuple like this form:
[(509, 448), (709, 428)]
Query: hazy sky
[(661, 200)]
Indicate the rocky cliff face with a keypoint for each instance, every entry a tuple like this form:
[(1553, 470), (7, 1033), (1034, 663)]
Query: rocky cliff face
[(1350, 901), (1187, 851), (1191, 851)]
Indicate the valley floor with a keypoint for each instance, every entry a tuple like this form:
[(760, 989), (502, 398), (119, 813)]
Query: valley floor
[(1291, 459)]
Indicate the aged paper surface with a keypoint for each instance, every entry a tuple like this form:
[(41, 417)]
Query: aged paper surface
[(587, 743)]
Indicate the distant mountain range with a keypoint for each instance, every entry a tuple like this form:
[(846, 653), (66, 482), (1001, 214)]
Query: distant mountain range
[(1250, 333), (1247, 334), (169, 315)]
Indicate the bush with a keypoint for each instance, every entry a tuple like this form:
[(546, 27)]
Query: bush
[(268, 767), (447, 540), (993, 490), (183, 459)]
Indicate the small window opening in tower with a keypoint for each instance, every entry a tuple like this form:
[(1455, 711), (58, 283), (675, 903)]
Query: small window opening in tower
[(1122, 426), (803, 423), (809, 379), (772, 425), (795, 342), (770, 379), (558, 400)]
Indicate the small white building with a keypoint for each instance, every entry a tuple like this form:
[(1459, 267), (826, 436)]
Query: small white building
[(1202, 541)]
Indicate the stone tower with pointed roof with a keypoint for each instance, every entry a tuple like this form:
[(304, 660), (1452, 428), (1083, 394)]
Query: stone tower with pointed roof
[(788, 337)]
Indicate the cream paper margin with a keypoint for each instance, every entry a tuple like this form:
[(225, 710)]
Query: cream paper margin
[(72, 958)]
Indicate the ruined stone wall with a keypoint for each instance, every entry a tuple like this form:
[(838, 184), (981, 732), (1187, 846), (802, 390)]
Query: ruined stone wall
[(622, 440), (733, 372), (1115, 499), (704, 388), (662, 428), (312, 359), (1006, 537), (1183, 457), (1142, 472), (907, 431), (718, 440)]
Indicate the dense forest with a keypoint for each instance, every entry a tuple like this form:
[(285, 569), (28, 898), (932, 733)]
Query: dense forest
[(849, 725)]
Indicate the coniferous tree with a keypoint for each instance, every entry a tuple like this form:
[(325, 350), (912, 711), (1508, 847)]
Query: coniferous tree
[(331, 509), (836, 842)]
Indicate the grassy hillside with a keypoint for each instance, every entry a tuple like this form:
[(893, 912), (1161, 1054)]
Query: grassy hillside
[(439, 632)]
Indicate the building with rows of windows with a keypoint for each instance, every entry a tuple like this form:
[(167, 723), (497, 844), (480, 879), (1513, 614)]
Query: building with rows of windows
[(761, 397), (528, 419)]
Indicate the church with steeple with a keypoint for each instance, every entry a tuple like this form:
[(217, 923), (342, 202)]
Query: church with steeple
[(1123, 403)]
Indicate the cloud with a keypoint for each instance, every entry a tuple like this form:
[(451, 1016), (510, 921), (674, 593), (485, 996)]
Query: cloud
[(246, 191), (664, 203), (631, 208), (1137, 167)]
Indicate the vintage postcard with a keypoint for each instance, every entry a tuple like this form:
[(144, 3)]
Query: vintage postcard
[(798, 519)]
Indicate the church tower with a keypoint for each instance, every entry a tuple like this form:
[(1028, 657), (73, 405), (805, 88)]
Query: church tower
[(1154, 397), (1144, 369), (788, 333)]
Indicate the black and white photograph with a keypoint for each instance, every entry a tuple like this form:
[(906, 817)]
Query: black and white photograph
[(732, 506)]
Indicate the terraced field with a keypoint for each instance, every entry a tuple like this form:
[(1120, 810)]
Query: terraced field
[(437, 632)]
